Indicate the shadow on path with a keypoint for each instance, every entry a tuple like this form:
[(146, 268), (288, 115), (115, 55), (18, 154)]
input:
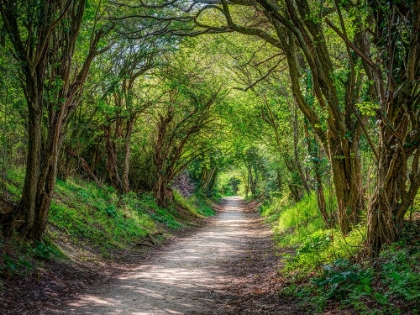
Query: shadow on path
[(191, 276)]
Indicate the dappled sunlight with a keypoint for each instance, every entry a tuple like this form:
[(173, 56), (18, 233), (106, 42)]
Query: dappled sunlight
[(179, 281)]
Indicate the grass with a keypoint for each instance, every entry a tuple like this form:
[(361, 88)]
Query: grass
[(196, 204), (94, 217), (299, 226), (324, 268), (95, 214)]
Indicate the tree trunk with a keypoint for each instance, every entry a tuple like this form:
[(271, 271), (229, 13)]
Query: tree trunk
[(296, 191), (347, 178), (160, 191), (159, 158), (127, 155), (41, 173), (208, 179), (252, 181), (111, 160), (65, 167), (343, 152), (398, 176), (313, 150), (295, 184), (397, 182), (84, 164), (320, 197), (28, 202), (298, 184), (97, 155), (387, 208), (297, 162), (7, 210), (212, 181)]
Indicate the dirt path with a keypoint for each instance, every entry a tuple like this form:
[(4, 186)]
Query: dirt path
[(206, 273)]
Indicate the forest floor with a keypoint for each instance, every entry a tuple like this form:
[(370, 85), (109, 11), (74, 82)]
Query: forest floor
[(228, 266)]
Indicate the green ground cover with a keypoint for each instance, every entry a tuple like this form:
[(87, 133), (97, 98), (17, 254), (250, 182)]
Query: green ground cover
[(323, 268), (95, 217)]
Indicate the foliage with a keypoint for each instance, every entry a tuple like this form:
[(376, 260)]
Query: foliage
[(229, 184), (299, 226), (393, 289), (331, 268), (95, 215), (195, 204), (343, 281), (285, 101)]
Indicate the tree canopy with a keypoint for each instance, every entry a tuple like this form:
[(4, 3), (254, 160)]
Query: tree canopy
[(255, 97)]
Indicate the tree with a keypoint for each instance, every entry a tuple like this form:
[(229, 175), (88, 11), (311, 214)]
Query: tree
[(185, 113), (44, 37), (396, 71), (130, 61), (297, 29)]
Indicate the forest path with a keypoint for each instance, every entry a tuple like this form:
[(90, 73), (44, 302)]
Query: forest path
[(200, 274)]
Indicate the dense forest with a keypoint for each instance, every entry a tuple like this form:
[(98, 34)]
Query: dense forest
[(311, 109)]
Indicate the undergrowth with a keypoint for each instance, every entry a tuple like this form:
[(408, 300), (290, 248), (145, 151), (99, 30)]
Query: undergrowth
[(324, 268), (196, 204), (22, 258), (96, 218)]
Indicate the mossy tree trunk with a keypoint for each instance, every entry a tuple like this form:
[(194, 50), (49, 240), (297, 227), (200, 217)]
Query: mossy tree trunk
[(396, 73)]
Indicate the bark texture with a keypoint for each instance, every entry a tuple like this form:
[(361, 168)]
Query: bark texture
[(52, 91), (397, 37)]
